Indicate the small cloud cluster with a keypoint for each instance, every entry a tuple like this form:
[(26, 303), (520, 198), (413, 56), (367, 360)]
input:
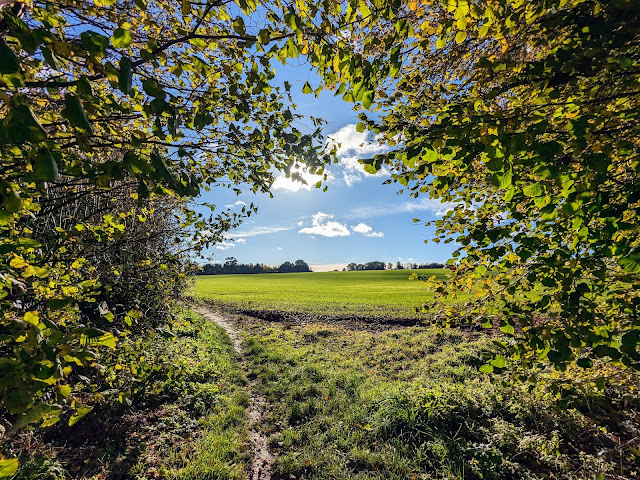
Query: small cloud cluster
[(366, 230), (225, 245), (239, 203), (323, 224)]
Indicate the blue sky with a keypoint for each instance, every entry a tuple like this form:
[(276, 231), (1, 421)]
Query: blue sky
[(356, 220)]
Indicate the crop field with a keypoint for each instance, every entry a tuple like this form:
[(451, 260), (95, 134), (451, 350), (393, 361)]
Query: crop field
[(384, 294)]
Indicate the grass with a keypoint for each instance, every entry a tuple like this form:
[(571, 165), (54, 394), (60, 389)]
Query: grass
[(357, 403), (374, 294), (411, 404), (188, 422)]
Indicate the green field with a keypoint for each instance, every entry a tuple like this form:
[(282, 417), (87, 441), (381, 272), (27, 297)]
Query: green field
[(366, 294)]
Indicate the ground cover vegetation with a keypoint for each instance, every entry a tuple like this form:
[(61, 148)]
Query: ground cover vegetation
[(412, 404), (185, 417), (376, 295)]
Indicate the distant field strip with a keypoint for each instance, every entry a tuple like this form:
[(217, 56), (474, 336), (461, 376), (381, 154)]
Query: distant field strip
[(382, 294)]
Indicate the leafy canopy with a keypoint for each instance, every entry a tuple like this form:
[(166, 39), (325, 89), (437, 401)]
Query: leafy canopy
[(522, 115), (114, 116)]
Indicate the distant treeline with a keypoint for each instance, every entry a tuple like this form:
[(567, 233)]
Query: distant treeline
[(231, 266), (377, 265)]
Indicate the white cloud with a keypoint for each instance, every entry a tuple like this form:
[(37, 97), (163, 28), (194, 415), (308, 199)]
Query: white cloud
[(431, 205), (239, 203), (349, 141), (324, 226), (300, 223), (352, 146), (362, 228), (279, 248), (366, 230), (259, 231), (226, 245)]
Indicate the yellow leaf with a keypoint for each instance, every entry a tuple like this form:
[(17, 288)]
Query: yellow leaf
[(18, 262), (461, 37), (32, 317), (8, 467)]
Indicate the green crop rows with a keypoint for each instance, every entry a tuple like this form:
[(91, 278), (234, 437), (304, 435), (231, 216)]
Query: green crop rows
[(371, 294)]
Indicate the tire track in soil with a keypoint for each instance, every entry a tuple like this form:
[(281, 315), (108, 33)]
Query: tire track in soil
[(261, 456)]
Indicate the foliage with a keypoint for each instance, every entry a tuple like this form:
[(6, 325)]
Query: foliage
[(373, 296), (375, 265), (188, 422), (232, 266), (113, 117), (523, 117), (411, 403)]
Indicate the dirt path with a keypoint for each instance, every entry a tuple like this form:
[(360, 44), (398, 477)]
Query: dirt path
[(262, 459)]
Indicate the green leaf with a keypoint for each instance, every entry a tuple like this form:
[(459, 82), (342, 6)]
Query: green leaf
[(630, 263), (121, 38), (45, 166), (533, 190), (501, 180), (153, 88), (238, 26), (9, 466), (126, 75), (11, 201), (367, 98), (499, 362), (461, 37), (74, 112), (264, 36), (507, 327), (486, 368), (78, 414), (24, 127), (9, 62), (83, 87)]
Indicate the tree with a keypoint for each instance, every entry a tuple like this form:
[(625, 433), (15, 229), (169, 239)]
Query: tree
[(301, 266), (286, 267), (524, 118), (230, 265), (156, 100)]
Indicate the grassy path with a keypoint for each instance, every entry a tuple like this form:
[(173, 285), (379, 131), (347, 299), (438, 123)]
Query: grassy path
[(410, 404), (261, 456)]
